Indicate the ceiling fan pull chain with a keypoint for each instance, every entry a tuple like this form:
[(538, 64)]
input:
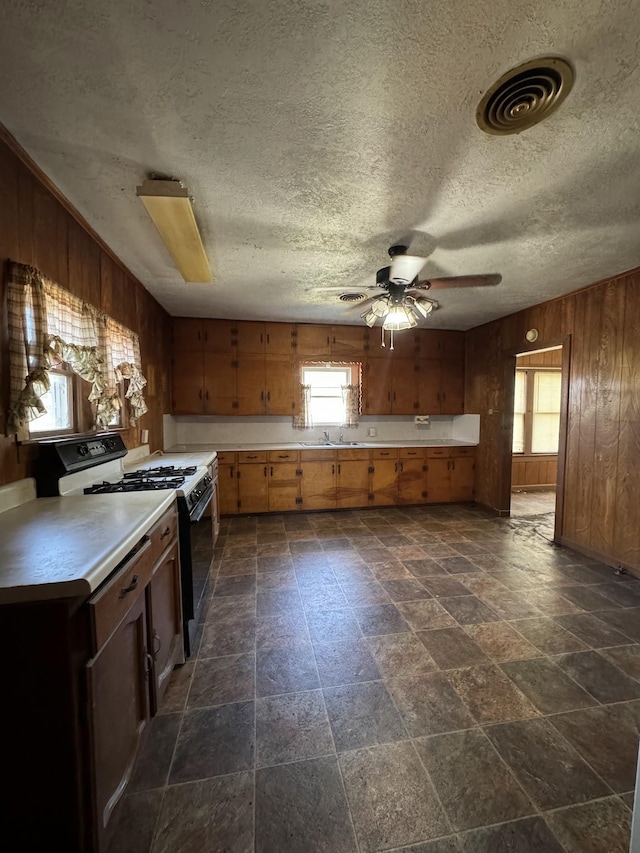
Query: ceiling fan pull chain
[(392, 346), (382, 345)]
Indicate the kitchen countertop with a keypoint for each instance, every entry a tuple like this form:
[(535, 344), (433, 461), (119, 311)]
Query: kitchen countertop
[(297, 445), (67, 546)]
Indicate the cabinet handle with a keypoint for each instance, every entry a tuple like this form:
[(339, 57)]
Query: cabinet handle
[(165, 532), (396, 467), (333, 469), (148, 664), (156, 651), (328, 340), (283, 455), (389, 396), (269, 396), (206, 336), (401, 467), (339, 468), (206, 394), (231, 471), (394, 396), (200, 393), (130, 588), (271, 471), (265, 470), (268, 338), (252, 457), (261, 338)]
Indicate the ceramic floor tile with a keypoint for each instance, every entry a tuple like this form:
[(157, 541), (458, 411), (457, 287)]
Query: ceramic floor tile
[(550, 601), (469, 610), (380, 619), (323, 597), (133, 822), (593, 827), (592, 631), (390, 570), (444, 587), (292, 728), (531, 835), (328, 625), (400, 655), (214, 814), (273, 563), (274, 632), (621, 593), (220, 680), (154, 758), (627, 658), (427, 567), (405, 590), (458, 565), (245, 566), (429, 705), (460, 765), (362, 715), (442, 845), (392, 800), (286, 670), (278, 602), (302, 808), (490, 695), (425, 615), (550, 771), (175, 697), (214, 742), (544, 684), (624, 620), (606, 737), (604, 681), (277, 580), (501, 642), (587, 598), (548, 636), (451, 648), (345, 663), (364, 593)]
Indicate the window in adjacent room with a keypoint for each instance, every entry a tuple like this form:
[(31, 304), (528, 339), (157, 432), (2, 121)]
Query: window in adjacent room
[(327, 399), (536, 417)]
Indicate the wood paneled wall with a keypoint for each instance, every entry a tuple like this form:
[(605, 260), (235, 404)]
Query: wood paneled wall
[(549, 358), (37, 228), (534, 471), (601, 489)]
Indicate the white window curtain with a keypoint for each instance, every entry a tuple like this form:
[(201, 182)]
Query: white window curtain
[(48, 326), (351, 397), (304, 418)]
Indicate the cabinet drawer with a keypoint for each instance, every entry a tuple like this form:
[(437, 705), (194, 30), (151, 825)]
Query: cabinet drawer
[(227, 457), (358, 454), (385, 453), (462, 451), (252, 456), (284, 456), (110, 605), (435, 452), (318, 456), (412, 453), (162, 533)]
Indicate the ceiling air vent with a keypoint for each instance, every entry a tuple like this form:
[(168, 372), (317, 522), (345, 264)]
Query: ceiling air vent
[(525, 96), (352, 297)]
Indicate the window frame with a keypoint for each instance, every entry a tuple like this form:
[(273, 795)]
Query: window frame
[(75, 411), (332, 366), (529, 413)]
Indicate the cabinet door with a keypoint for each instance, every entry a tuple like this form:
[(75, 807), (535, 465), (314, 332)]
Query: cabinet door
[(438, 480), (281, 374), (219, 385), (165, 622), (350, 342), (313, 341), (406, 344), (118, 693), (452, 388), (385, 482), (404, 386), (284, 486), (412, 481), (279, 338), (354, 481), (429, 382), (318, 485), (251, 394), (228, 489), (187, 334), (251, 338), (463, 479), (376, 387), (219, 335), (452, 345), (188, 383), (253, 494), (429, 340)]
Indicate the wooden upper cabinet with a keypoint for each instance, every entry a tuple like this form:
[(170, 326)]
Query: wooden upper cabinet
[(313, 342), (429, 340), (452, 345), (251, 393), (219, 335), (187, 394), (452, 387), (188, 334), (251, 337), (429, 386), (405, 344), (282, 385), (219, 384), (279, 338), (404, 386), (349, 342), (376, 387)]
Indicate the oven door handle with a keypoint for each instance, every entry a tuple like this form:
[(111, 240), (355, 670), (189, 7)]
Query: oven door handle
[(198, 511)]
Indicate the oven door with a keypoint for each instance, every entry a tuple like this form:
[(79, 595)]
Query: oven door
[(197, 542)]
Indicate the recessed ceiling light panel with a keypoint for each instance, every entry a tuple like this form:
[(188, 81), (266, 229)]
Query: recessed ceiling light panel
[(525, 96)]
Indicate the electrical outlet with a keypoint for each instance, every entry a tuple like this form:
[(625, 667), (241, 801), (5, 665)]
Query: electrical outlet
[(421, 419)]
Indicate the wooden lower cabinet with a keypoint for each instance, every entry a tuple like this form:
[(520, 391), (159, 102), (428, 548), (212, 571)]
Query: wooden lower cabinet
[(463, 471), (164, 608), (284, 486), (353, 483), (385, 482), (228, 489), (318, 485), (438, 480), (451, 478), (412, 481), (253, 487)]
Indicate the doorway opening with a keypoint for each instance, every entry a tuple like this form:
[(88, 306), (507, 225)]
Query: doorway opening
[(536, 438)]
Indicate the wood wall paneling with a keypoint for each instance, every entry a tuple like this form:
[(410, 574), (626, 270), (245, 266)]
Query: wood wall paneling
[(38, 227)]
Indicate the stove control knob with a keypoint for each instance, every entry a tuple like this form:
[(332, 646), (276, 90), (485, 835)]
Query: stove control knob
[(109, 443), (83, 449)]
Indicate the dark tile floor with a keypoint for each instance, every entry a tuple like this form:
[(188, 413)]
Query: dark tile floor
[(430, 680)]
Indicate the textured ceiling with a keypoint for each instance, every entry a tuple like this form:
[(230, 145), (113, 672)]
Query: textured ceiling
[(314, 133)]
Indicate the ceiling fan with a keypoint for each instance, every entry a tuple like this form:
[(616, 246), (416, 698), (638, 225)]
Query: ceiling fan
[(404, 299)]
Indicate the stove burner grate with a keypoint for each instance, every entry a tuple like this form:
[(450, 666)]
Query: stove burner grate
[(161, 471), (141, 484)]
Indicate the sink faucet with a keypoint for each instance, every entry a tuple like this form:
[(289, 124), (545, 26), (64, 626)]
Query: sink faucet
[(326, 436), (341, 439)]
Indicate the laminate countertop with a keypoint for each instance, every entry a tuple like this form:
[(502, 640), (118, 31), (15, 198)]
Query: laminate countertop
[(67, 546), (302, 445)]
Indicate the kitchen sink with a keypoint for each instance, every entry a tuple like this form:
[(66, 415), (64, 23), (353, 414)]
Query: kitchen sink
[(331, 444)]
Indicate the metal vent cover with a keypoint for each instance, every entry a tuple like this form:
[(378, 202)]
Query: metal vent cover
[(525, 96), (352, 297)]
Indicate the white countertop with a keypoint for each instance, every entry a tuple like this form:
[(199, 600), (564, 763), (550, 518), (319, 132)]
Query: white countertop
[(299, 445), (67, 546), (192, 454)]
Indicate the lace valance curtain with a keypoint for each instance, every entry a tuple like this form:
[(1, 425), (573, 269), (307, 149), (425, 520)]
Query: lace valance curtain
[(351, 395), (48, 326)]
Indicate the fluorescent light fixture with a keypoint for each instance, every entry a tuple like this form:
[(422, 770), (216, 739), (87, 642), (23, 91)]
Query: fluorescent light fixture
[(169, 206), (404, 268)]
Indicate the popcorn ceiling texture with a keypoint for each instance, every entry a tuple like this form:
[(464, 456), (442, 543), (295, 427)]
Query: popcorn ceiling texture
[(314, 134)]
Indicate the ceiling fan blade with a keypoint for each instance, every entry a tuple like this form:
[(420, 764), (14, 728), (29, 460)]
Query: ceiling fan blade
[(404, 268), (346, 289), (459, 281)]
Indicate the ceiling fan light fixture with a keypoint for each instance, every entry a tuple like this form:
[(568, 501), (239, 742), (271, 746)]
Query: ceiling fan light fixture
[(399, 317), (369, 317), (425, 307)]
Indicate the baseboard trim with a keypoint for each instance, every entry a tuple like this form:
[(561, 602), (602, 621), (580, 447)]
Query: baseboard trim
[(600, 556)]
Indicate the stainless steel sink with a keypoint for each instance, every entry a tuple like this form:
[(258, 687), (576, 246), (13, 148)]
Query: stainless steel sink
[(347, 443), (331, 444)]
